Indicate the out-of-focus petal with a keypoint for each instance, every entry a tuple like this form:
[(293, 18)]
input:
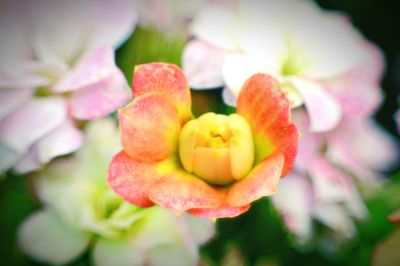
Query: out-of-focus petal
[(117, 252), (180, 191), (309, 143), (100, 99), (28, 162), (202, 64), (358, 91), (31, 122), (336, 217), (92, 67), (149, 127), (261, 181), (329, 44), (216, 25), (166, 79), (237, 69), (10, 100), (200, 229), (356, 144), (115, 21), (324, 112), (65, 139), (8, 157), (178, 255), (332, 186), (294, 202), (132, 179), (151, 233), (84, 26), (228, 97), (44, 237), (49, 42), (14, 29), (266, 108)]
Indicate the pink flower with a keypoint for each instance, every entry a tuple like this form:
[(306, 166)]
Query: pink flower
[(57, 67), (322, 185)]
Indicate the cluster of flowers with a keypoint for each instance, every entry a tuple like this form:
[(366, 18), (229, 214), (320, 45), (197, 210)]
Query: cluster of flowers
[(289, 68), (58, 82), (330, 73)]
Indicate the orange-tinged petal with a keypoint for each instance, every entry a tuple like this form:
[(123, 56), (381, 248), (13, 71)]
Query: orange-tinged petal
[(221, 212), (224, 210), (167, 79), (132, 179), (261, 181), (149, 128), (180, 191), (267, 110)]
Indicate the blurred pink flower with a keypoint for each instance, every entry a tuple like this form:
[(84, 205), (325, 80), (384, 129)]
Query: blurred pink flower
[(57, 66), (328, 167), (322, 61)]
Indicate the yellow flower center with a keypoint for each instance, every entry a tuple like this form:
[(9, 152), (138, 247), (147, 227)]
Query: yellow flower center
[(217, 148)]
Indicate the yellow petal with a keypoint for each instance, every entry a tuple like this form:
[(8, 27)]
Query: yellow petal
[(187, 143)]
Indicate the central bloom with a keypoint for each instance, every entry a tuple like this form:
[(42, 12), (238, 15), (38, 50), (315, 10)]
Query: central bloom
[(213, 166), (217, 148)]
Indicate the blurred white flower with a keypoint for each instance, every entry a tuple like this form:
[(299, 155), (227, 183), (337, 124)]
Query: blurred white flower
[(57, 66), (80, 212), (167, 16), (319, 58)]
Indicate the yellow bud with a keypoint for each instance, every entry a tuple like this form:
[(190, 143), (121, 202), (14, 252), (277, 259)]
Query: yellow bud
[(217, 148)]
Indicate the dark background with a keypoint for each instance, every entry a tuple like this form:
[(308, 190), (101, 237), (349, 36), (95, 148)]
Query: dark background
[(379, 21)]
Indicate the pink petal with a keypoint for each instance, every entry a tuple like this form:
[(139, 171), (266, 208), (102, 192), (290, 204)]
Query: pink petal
[(114, 21), (65, 139), (100, 99), (358, 91), (202, 64), (12, 99), (355, 145), (216, 25), (323, 110), (14, 29), (294, 202), (31, 122), (62, 140), (28, 163), (64, 29), (309, 143), (331, 185), (336, 217), (92, 67), (60, 29)]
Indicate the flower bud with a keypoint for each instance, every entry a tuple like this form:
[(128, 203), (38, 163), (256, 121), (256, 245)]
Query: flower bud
[(217, 148)]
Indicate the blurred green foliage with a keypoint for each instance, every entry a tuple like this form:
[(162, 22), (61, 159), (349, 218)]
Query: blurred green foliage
[(148, 45)]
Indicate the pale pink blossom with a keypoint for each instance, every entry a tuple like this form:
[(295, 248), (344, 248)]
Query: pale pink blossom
[(57, 66), (323, 186), (322, 61)]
